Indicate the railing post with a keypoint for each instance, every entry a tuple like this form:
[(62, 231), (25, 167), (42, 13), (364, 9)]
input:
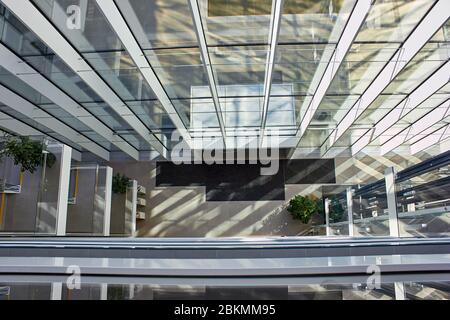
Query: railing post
[(56, 291), (134, 208), (108, 199), (389, 177), (327, 217), (399, 288), (104, 291), (351, 232)]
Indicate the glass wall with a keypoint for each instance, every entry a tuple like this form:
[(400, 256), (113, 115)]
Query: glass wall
[(423, 204), (370, 211), (417, 205), (337, 211), (29, 201)]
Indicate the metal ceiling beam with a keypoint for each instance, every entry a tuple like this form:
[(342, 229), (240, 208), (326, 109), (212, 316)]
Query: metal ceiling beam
[(195, 11), (355, 21), (17, 127), (123, 31), (34, 20), (22, 70), (274, 32), (436, 138), (418, 128), (424, 31), (20, 128), (429, 87), (30, 110)]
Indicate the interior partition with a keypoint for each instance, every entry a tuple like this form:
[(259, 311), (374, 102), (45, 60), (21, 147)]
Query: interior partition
[(89, 209), (32, 203)]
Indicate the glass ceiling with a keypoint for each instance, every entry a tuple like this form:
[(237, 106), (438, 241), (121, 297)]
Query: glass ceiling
[(239, 37)]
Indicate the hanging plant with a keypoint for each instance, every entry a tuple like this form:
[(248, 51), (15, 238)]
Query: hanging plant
[(27, 153), (120, 183)]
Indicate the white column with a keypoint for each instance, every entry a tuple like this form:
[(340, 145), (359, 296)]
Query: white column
[(389, 177), (108, 197), (351, 232), (134, 208), (63, 190), (327, 217)]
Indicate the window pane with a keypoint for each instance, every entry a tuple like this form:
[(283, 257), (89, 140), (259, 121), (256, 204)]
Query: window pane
[(160, 23), (392, 21)]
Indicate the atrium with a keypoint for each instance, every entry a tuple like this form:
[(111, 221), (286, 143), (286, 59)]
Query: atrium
[(168, 135)]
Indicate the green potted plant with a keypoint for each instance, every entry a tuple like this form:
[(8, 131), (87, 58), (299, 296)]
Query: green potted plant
[(336, 210), (27, 153), (120, 183), (303, 208)]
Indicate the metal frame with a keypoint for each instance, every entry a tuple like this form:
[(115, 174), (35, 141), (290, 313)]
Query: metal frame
[(424, 31), (13, 125), (122, 30), (45, 29), (327, 217), (356, 20), (430, 86), (351, 228), (437, 137), (275, 24), (22, 70), (389, 177), (417, 128), (34, 20), (32, 111), (197, 19)]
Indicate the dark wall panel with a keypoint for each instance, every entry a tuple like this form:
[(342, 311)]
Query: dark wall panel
[(244, 182), (172, 175), (310, 171), (224, 182)]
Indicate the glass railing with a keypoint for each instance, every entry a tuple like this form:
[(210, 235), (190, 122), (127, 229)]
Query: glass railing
[(414, 202), (337, 208), (415, 288), (423, 203), (370, 210)]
